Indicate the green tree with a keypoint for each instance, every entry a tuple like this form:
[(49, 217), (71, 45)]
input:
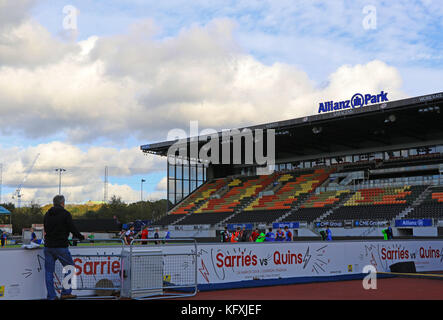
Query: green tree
[(26, 216), (4, 219)]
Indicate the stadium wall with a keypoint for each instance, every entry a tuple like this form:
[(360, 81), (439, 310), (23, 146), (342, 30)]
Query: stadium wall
[(235, 264)]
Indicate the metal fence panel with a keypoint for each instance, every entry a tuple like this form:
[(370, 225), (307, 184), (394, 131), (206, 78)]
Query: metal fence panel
[(164, 275), (142, 270)]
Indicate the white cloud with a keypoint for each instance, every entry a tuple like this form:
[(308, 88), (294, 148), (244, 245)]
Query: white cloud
[(14, 12), (31, 45), (83, 193), (85, 169), (133, 85), (162, 184)]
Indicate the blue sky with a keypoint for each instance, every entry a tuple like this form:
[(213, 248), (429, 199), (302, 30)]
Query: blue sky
[(136, 69), (318, 36)]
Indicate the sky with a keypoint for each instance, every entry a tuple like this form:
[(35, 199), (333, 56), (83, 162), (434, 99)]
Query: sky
[(83, 84)]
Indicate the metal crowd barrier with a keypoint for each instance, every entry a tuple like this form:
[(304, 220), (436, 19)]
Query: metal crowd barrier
[(144, 269), (151, 271)]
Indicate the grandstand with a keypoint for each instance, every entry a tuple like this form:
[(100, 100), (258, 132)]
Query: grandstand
[(430, 207), (379, 163)]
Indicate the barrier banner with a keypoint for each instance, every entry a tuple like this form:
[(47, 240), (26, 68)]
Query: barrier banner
[(369, 223), (413, 223), (234, 226), (6, 228), (335, 224), (23, 274), (290, 225)]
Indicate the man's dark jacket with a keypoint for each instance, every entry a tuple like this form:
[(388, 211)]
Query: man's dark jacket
[(58, 224)]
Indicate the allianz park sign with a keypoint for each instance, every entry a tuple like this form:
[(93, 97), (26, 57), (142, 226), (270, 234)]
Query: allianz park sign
[(358, 100)]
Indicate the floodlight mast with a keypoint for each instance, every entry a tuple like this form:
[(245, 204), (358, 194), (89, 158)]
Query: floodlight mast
[(60, 170)]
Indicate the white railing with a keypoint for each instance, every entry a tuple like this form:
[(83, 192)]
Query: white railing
[(382, 184)]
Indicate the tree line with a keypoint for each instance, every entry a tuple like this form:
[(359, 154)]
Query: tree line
[(24, 217)]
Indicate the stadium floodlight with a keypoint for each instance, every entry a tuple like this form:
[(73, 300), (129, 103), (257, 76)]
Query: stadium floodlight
[(141, 192), (430, 109), (317, 130), (390, 118), (282, 132), (60, 170)]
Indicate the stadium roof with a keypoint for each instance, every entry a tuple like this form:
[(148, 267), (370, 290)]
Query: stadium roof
[(411, 122)]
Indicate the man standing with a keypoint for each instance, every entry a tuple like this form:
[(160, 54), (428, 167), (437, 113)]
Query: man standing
[(235, 235), (328, 234), (288, 234), (389, 233), (156, 236), (167, 235), (3, 238), (226, 237), (270, 236), (58, 225), (244, 235), (145, 234), (254, 235), (280, 236)]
